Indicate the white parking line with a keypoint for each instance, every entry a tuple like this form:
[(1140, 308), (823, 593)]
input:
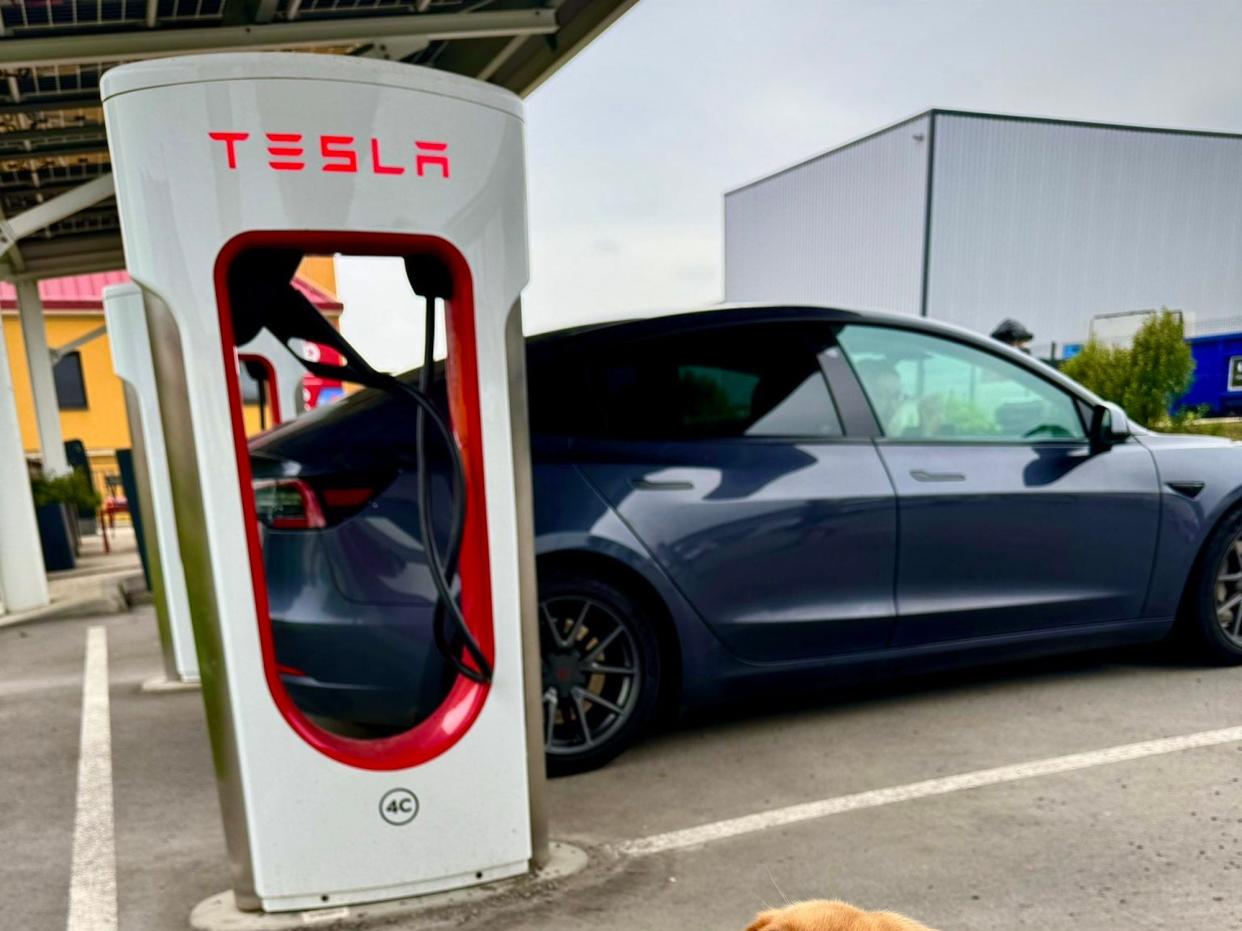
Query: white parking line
[(92, 883), (809, 811)]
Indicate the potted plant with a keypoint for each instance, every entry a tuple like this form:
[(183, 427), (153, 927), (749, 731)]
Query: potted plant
[(57, 501)]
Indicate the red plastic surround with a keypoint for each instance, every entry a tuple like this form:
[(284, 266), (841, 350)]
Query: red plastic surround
[(450, 722), (273, 394)]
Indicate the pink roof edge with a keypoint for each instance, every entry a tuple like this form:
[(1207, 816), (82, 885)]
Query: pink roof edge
[(85, 292)]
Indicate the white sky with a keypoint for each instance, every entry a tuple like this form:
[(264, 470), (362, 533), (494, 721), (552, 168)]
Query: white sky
[(631, 146)]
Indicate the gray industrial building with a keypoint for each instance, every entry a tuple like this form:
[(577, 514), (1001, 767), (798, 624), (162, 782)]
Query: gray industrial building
[(974, 217)]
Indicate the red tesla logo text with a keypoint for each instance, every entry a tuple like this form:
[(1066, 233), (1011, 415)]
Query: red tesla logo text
[(289, 152)]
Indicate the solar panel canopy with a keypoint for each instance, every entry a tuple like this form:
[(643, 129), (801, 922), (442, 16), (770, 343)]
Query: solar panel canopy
[(54, 52)]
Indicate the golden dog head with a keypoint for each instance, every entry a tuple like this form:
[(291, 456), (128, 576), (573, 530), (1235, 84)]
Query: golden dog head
[(821, 915)]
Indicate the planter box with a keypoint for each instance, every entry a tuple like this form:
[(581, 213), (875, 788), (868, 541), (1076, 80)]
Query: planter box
[(56, 536)]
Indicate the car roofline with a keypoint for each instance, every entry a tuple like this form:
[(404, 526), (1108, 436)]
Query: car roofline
[(742, 312)]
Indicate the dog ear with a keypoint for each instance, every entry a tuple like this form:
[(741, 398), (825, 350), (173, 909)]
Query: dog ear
[(767, 921), (891, 921)]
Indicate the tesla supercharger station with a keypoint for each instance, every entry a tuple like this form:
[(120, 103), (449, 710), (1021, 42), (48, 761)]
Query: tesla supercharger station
[(284, 373), (124, 312), (224, 166), (125, 316)]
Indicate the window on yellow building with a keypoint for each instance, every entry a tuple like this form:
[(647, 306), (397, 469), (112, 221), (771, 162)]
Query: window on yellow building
[(70, 385)]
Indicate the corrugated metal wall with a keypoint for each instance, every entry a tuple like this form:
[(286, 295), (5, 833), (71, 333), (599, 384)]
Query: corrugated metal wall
[(1054, 224), (844, 229)]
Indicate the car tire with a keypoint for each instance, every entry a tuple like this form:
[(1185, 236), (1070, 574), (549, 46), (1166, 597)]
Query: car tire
[(601, 671), (1211, 620)]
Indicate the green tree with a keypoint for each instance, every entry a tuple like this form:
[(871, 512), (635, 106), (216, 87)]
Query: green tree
[(1144, 379)]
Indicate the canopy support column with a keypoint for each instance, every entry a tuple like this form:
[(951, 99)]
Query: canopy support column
[(42, 383), (23, 580)]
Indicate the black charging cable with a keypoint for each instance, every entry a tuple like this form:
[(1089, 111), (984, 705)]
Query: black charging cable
[(259, 283), (447, 612)]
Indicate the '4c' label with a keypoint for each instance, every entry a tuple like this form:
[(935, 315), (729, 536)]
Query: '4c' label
[(398, 806)]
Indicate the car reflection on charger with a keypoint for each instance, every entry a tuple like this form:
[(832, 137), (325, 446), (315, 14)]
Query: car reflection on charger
[(742, 497)]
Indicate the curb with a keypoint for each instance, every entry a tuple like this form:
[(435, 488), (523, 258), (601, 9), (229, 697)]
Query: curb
[(109, 596), (220, 913), (161, 683)]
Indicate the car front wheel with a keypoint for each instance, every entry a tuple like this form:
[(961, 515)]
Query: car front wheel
[(601, 672), (1212, 614)]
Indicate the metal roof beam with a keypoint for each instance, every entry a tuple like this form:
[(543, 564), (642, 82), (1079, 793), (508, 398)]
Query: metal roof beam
[(67, 255), (121, 46), (479, 59), (535, 62), (49, 188), (265, 12), (493, 65), (89, 130), (59, 352), (57, 209), (51, 104), (99, 147), (9, 248)]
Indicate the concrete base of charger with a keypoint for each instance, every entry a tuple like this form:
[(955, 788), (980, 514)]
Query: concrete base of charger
[(220, 913)]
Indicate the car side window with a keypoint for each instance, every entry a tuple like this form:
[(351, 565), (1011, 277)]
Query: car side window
[(557, 388), (925, 387), (760, 380)]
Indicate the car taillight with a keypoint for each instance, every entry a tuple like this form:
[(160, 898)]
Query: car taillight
[(347, 497), (314, 502), (287, 504)]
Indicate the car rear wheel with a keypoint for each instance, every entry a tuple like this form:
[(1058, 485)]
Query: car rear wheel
[(1213, 610), (601, 672)]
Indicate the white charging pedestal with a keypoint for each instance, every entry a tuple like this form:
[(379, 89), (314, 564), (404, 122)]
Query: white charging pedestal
[(218, 158), (284, 370), (124, 313), (131, 360)]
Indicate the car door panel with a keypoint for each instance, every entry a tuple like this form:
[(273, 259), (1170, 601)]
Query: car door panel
[(787, 551), (1009, 520), (1020, 537)]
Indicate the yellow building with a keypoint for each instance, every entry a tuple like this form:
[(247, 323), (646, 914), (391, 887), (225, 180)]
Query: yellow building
[(92, 401)]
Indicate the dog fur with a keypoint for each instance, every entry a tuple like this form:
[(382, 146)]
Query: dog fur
[(822, 915)]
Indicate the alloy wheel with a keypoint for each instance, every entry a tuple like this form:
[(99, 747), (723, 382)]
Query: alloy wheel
[(591, 673), (1229, 592)]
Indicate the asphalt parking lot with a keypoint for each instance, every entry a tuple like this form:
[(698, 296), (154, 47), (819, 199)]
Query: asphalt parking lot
[(1107, 842)]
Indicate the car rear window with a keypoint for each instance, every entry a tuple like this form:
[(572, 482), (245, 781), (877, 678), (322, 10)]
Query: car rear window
[(759, 380)]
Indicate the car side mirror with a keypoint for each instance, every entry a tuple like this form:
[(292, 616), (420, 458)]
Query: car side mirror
[(1109, 426)]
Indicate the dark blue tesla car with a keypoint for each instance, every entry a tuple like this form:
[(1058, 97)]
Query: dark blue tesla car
[(742, 496)]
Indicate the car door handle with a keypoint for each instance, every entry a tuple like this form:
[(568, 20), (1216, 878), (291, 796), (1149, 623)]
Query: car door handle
[(920, 475), (646, 484)]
